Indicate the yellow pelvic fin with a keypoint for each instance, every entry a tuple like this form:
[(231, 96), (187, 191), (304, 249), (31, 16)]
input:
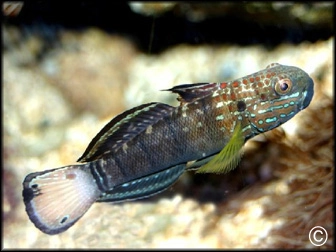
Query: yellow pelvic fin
[(229, 156)]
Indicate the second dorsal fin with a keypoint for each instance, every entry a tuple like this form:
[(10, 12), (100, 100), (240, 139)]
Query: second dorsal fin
[(191, 92), (124, 128)]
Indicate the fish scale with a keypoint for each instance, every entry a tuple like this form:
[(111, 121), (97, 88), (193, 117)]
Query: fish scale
[(144, 150)]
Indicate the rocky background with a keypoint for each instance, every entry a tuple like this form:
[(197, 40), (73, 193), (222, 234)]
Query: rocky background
[(69, 68)]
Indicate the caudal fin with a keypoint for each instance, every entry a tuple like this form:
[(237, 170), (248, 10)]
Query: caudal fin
[(56, 199)]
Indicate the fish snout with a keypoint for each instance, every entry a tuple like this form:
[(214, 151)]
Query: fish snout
[(308, 93)]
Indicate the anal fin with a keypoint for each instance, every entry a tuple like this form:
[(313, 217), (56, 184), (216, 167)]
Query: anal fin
[(145, 186)]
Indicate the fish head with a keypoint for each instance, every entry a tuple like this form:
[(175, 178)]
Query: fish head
[(287, 90)]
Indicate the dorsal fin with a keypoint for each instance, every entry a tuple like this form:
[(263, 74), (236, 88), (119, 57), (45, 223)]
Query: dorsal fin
[(191, 92), (123, 128)]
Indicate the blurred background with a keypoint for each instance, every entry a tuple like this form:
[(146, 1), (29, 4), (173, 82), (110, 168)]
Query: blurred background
[(70, 68)]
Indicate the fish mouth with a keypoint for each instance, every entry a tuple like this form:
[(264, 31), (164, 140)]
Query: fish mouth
[(309, 94)]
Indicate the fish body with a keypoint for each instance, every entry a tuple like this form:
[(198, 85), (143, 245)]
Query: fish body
[(145, 149)]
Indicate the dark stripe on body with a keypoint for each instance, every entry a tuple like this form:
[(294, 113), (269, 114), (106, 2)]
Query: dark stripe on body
[(149, 157), (118, 162), (99, 175)]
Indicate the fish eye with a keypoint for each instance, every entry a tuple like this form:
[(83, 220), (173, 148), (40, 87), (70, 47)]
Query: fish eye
[(283, 86)]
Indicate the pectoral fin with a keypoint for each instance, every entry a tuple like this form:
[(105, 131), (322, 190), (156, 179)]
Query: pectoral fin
[(229, 156)]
